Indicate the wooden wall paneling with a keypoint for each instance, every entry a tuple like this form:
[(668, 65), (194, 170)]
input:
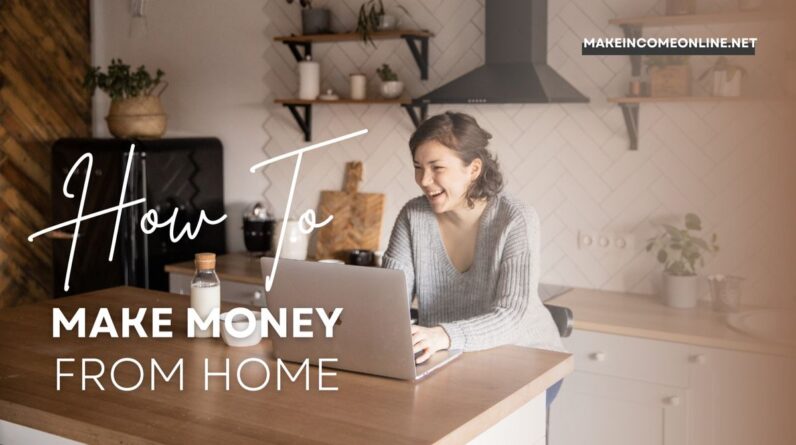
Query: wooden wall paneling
[(45, 49)]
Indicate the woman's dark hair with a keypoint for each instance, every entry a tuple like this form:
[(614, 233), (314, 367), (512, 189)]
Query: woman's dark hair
[(460, 132)]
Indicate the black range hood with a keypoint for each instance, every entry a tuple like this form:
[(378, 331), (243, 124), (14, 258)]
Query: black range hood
[(516, 69)]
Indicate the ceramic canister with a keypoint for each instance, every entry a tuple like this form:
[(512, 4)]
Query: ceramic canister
[(309, 79), (359, 85), (296, 242)]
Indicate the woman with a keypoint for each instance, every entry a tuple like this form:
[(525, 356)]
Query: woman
[(470, 253)]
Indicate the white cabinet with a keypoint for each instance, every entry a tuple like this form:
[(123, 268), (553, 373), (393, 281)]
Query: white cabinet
[(231, 291), (623, 391), (742, 398), (628, 390)]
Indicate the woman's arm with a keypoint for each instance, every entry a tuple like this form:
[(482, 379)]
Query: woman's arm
[(399, 252), (517, 284)]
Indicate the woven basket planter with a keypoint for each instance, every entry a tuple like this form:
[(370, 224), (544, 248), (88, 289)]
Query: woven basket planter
[(137, 117)]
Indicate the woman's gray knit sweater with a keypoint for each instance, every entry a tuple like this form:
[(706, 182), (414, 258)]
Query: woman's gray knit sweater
[(496, 301)]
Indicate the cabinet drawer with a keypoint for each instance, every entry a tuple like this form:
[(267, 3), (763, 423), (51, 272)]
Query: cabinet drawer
[(630, 357), (231, 291)]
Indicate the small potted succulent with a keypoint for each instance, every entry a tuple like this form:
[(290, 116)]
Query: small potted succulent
[(313, 20), (135, 109), (681, 251), (391, 87)]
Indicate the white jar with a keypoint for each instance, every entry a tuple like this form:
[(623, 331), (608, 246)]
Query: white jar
[(296, 242), (359, 86), (309, 79)]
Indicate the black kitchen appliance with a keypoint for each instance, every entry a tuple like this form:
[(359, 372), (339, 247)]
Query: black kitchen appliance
[(258, 228), (184, 174)]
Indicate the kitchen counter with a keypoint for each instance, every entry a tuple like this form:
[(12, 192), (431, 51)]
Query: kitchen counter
[(476, 393), (238, 267), (646, 317)]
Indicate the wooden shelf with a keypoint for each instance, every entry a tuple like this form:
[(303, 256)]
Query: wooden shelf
[(642, 100), (632, 27), (417, 111), (696, 19), (353, 36), (376, 101), (416, 40)]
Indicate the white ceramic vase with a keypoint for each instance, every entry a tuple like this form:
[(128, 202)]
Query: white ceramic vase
[(392, 89), (294, 246), (680, 291)]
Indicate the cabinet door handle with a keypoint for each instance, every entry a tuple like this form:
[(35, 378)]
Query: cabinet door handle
[(699, 359), (672, 401), (598, 356), (257, 298)]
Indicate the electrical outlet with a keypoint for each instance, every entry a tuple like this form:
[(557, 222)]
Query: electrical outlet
[(618, 241), (586, 240)]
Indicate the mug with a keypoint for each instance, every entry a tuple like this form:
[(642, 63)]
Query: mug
[(360, 257)]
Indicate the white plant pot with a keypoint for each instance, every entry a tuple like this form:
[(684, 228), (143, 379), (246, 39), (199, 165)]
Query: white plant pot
[(392, 89), (680, 292)]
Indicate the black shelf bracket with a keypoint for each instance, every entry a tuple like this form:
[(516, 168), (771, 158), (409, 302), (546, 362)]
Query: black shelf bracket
[(634, 32), (294, 48), (304, 122), (630, 112), (413, 108), (420, 55)]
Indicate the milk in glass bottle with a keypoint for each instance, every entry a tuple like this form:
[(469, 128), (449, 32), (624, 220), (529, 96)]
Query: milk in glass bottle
[(205, 289)]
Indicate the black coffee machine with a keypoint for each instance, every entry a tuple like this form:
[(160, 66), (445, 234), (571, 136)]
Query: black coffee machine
[(258, 228)]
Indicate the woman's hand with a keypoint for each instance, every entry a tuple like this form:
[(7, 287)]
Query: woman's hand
[(429, 341)]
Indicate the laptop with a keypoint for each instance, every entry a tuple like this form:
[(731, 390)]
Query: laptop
[(373, 333)]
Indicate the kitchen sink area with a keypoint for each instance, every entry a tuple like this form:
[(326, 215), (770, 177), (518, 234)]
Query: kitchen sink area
[(773, 325)]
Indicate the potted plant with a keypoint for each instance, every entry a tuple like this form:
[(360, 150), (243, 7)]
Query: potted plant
[(368, 19), (391, 87), (135, 109), (313, 20), (727, 78), (372, 17), (669, 76), (681, 251)]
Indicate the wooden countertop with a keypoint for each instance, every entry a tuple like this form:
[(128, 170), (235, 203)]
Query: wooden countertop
[(239, 267), (595, 310), (451, 406), (645, 316)]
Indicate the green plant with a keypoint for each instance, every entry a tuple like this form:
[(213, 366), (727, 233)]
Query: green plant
[(304, 3), (723, 64), (664, 61), (368, 19), (386, 73), (680, 250), (122, 83)]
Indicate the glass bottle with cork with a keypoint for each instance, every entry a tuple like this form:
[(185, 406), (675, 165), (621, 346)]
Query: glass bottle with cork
[(205, 289)]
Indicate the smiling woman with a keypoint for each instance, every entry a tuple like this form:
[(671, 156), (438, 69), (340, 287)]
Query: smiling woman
[(469, 252)]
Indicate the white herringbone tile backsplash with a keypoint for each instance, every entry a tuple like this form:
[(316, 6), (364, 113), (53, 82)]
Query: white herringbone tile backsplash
[(730, 163)]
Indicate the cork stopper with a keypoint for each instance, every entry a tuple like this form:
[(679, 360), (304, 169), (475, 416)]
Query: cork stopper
[(205, 261)]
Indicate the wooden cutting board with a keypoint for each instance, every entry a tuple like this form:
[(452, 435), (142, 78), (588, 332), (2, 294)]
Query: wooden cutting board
[(357, 218)]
